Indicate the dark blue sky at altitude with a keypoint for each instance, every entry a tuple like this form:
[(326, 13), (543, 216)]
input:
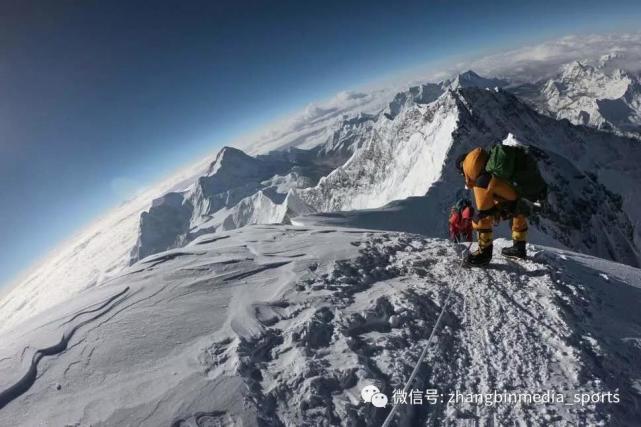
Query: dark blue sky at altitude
[(93, 93)]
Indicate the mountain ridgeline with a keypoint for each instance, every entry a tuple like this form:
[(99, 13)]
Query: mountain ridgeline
[(386, 165), (596, 95), (407, 152), (237, 190), (185, 314)]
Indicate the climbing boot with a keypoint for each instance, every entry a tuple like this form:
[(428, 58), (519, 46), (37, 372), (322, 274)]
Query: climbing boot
[(480, 258), (516, 251)]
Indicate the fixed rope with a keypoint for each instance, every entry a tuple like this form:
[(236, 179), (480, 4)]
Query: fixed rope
[(412, 377)]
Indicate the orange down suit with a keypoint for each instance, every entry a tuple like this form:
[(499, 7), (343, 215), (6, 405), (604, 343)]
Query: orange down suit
[(496, 191)]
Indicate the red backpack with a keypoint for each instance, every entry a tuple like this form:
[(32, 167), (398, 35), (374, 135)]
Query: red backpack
[(460, 221)]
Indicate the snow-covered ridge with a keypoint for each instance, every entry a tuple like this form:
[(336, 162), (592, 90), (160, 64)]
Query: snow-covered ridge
[(240, 190), (471, 79), (364, 160), (401, 158), (92, 257), (388, 158), (591, 175), (219, 320), (598, 95), (281, 325)]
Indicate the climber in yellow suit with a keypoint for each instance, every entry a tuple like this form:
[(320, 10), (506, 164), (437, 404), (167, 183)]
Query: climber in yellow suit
[(495, 199)]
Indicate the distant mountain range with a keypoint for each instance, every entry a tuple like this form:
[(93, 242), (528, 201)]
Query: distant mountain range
[(599, 95), (585, 122)]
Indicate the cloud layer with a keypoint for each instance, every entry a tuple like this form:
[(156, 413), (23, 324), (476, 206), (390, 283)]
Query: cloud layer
[(534, 62), (527, 63), (310, 126)]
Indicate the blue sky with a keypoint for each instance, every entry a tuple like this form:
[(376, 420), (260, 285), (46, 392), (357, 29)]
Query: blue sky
[(97, 98)]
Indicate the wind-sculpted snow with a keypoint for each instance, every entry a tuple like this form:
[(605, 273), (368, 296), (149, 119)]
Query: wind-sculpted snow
[(403, 153), (90, 258), (373, 159), (238, 190), (29, 378), (282, 325)]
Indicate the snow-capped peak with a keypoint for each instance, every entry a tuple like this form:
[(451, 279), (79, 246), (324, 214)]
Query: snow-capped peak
[(472, 79), (231, 158), (594, 95), (575, 69), (369, 160)]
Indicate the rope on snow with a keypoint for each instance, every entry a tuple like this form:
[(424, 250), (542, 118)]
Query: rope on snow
[(412, 377)]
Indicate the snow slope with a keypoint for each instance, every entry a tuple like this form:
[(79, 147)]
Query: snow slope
[(360, 160), (281, 325), (238, 190), (89, 258), (591, 174), (598, 95), (406, 152), (400, 158)]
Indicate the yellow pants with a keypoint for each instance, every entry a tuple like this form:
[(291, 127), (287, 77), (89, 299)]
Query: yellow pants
[(497, 191)]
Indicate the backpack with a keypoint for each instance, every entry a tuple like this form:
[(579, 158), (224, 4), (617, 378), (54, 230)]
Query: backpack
[(459, 227), (518, 167)]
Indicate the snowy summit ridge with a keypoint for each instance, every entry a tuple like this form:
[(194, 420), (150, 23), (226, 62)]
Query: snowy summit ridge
[(367, 161), (281, 325), (267, 287)]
